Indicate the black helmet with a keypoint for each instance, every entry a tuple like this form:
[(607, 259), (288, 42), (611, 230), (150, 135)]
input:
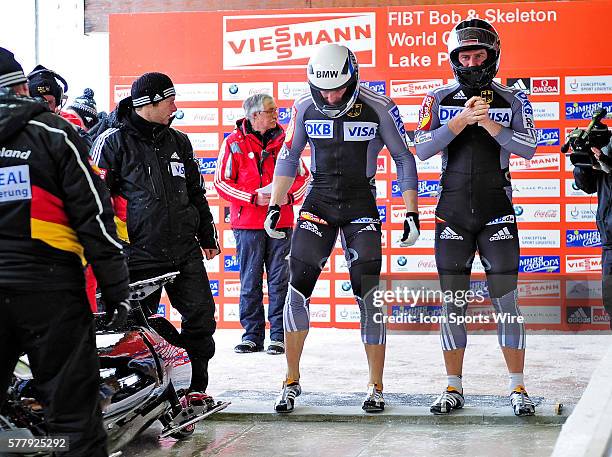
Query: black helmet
[(333, 67), (469, 35)]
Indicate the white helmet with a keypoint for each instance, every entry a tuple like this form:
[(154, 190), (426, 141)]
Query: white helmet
[(333, 67)]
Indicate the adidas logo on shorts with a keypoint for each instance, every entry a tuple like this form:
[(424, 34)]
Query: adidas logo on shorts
[(459, 96), (503, 234), (449, 234)]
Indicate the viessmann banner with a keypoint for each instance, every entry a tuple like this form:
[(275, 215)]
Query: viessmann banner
[(217, 59)]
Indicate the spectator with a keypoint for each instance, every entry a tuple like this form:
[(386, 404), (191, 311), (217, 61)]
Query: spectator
[(244, 169), (54, 213), (45, 85), (85, 108), (162, 212)]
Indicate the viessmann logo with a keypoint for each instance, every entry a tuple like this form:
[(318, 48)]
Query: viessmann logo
[(288, 41)]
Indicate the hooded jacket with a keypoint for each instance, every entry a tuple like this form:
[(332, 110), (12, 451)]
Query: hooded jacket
[(158, 192), (245, 164), (55, 213)]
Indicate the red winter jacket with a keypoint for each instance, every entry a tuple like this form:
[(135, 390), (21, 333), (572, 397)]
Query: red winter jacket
[(241, 170)]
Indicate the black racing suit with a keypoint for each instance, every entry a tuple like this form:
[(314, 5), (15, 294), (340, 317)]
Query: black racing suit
[(55, 213), (342, 197), (474, 209)]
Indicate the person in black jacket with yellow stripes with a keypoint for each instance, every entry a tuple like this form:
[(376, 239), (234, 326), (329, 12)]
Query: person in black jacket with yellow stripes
[(162, 213), (54, 215)]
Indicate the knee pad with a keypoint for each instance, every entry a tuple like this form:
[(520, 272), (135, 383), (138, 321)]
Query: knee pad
[(296, 312), (510, 326), (373, 328), (453, 334)]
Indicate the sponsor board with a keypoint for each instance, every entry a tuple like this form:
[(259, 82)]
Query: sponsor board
[(347, 313), (423, 264), (539, 238), (230, 263), (541, 212), (343, 289), (599, 315), (409, 113), (580, 212), (578, 314), (539, 162), (534, 188), (548, 137), (382, 213), (212, 265), (231, 288), (214, 210), (426, 239), (381, 189), (121, 91), (208, 165), (523, 84), (541, 314), (322, 289), (320, 313), (571, 189), (380, 87), (582, 263), (231, 115), (242, 91), (398, 214), (545, 111), (214, 287), (431, 165), (585, 110), (292, 90), (427, 188), (261, 41), (539, 288), (197, 92), (587, 289), (413, 88), (231, 312), (545, 86), (381, 164), (588, 84), (204, 141), (284, 116), (228, 239), (582, 238), (539, 264), (211, 190)]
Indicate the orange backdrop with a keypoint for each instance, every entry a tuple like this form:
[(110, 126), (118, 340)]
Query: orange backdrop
[(556, 51)]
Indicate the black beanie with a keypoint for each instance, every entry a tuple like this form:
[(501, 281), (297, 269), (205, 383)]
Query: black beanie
[(43, 81), (85, 107), (11, 73), (151, 88)]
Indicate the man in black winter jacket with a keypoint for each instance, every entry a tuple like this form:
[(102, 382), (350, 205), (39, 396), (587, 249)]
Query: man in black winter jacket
[(54, 214), (599, 179), (161, 211)]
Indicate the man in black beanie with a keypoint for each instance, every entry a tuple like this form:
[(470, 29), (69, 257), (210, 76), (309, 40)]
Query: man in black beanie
[(54, 214), (48, 86), (162, 212)]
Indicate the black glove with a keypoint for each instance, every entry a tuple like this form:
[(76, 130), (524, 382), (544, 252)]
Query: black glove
[(412, 230), (272, 218), (116, 314)]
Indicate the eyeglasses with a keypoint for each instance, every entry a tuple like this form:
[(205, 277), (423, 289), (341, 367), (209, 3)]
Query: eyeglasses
[(270, 111)]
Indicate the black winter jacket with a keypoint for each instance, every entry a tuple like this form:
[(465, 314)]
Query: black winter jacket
[(54, 210), (159, 197), (591, 181)]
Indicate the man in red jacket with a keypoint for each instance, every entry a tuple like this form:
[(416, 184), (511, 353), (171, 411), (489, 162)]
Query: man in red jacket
[(244, 172)]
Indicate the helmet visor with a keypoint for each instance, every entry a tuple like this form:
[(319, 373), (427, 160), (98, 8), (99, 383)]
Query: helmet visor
[(473, 38)]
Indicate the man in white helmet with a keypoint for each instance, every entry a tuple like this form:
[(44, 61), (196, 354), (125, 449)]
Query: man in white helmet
[(346, 126), (477, 123)]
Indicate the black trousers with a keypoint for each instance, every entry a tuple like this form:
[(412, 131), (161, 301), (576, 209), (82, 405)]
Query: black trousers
[(56, 331), (191, 296)]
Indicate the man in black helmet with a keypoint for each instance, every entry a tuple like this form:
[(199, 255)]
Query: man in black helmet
[(477, 123), (346, 126)]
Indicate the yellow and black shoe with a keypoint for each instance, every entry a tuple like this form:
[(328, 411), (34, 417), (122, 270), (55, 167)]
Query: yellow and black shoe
[(521, 404), (285, 401), (448, 400)]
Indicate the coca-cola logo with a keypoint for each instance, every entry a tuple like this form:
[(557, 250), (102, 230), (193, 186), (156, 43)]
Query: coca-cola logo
[(546, 214)]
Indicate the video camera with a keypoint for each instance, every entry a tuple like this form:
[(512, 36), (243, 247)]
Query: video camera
[(580, 141)]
